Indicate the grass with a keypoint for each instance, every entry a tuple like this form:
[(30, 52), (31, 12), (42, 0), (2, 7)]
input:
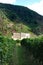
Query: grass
[(23, 56)]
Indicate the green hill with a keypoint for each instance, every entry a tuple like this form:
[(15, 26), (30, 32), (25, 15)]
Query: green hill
[(14, 18)]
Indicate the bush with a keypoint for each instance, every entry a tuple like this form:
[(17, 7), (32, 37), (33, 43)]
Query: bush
[(35, 46), (6, 50)]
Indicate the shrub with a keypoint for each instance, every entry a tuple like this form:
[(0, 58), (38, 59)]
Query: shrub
[(35, 46), (6, 49)]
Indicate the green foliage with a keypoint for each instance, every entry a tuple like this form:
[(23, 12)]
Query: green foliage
[(11, 53), (18, 41), (6, 50), (35, 46), (31, 21)]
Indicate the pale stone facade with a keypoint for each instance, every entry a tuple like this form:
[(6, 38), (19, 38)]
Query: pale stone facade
[(20, 36)]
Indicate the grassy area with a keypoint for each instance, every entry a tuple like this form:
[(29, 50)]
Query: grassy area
[(24, 57)]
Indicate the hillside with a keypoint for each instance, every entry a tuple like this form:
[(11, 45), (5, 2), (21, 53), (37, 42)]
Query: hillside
[(14, 18)]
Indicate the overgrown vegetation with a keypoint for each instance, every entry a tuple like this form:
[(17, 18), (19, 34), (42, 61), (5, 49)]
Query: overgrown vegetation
[(24, 52), (19, 19), (35, 47), (7, 46), (15, 18)]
